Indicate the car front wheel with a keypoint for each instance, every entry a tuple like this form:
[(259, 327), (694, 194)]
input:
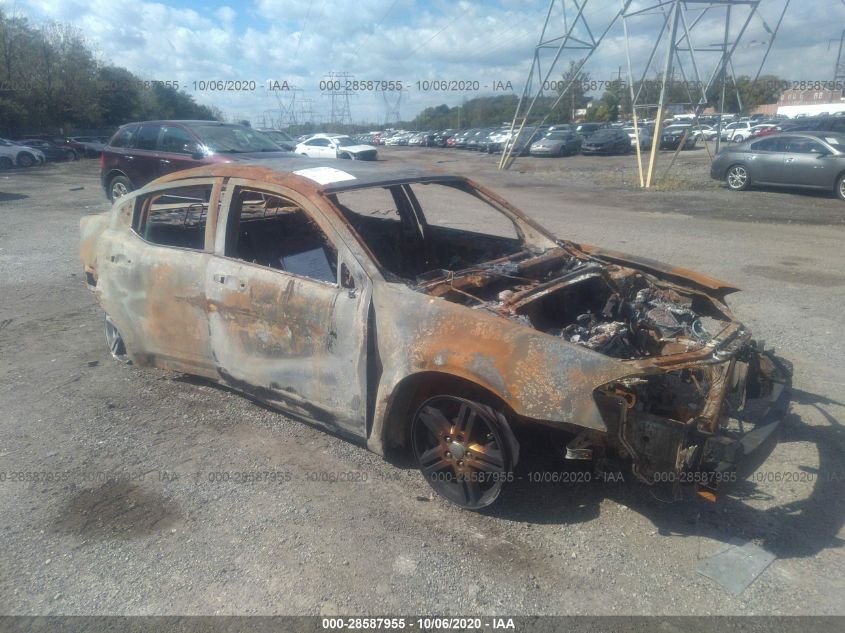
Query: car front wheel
[(71, 155), (26, 160), (464, 449), (840, 187), (119, 187), (738, 178)]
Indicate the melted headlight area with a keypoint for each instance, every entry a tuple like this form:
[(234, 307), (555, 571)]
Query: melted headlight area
[(675, 423)]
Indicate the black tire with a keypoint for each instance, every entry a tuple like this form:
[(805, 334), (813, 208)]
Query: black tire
[(840, 187), (115, 341), (71, 155), (119, 186), (737, 177), (6, 163), (464, 449), (26, 160)]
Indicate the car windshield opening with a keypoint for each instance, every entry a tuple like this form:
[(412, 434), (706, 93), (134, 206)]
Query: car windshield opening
[(416, 230)]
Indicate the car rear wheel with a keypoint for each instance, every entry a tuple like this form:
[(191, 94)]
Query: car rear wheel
[(738, 138), (840, 187), (6, 162), (71, 155), (464, 449), (119, 187), (26, 160), (115, 341), (737, 178)]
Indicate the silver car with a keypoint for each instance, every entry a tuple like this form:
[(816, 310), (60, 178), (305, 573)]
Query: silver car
[(812, 160), (557, 143)]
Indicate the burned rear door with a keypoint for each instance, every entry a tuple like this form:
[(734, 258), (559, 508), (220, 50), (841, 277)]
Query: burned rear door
[(283, 327), (152, 275)]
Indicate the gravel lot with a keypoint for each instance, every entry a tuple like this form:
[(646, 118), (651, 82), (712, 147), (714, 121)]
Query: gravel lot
[(127, 519)]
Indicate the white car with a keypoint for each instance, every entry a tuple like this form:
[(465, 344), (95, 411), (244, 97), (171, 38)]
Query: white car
[(12, 154), (644, 134), (737, 132), (335, 146)]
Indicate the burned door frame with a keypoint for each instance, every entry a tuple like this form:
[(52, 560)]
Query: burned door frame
[(290, 340), (155, 293)]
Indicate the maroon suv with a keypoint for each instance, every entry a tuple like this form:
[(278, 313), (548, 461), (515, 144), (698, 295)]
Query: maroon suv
[(141, 152)]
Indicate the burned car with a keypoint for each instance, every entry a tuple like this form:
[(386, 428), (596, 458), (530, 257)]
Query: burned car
[(368, 301)]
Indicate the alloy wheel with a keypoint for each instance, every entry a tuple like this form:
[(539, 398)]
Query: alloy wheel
[(460, 447), (737, 177)]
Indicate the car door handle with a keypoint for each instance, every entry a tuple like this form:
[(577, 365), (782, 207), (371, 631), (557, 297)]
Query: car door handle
[(129, 157), (790, 160), (164, 161), (118, 258)]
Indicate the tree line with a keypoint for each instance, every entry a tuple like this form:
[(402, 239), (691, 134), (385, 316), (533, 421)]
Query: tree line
[(52, 82), (569, 93)]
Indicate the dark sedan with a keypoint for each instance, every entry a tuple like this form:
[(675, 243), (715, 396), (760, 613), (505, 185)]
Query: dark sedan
[(811, 160), (674, 135), (50, 151), (607, 141)]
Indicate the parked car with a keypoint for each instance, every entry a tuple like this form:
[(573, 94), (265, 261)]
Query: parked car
[(441, 138), (14, 155), (361, 299), (461, 137), (522, 145), (762, 129), (812, 160), (673, 135), (51, 151), (826, 124), (63, 142), (586, 130), (477, 141), (607, 141), (280, 138), (644, 135), (92, 146), (556, 143), (738, 131), (141, 152), (335, 146)]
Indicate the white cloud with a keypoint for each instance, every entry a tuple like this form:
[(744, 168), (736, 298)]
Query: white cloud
[(300, 41)]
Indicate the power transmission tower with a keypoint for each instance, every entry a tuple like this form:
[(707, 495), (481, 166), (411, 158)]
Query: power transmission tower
[(306, 113), (839, 70), (392, 103), (338, 92), (566, 28), (287, 105), (678, 34)]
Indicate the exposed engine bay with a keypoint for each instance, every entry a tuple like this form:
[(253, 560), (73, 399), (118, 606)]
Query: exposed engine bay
[(611, 309)]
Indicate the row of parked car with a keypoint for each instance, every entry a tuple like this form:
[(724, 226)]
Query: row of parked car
[(40, 149), (552, 140)]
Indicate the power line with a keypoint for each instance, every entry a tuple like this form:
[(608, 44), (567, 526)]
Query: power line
[(378, 24), (451, 22), (302, 32)]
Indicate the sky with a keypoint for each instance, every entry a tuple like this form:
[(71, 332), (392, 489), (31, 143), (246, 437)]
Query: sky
[(485, 44)]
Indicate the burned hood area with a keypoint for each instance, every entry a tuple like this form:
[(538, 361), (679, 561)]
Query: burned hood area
[(617, 311)]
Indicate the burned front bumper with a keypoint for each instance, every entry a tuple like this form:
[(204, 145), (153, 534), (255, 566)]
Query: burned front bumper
[(674, 437)]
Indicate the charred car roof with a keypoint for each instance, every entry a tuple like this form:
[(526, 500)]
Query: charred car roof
[(352, 175)]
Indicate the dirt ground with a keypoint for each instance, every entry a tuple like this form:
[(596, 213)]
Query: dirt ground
[(121, 493)]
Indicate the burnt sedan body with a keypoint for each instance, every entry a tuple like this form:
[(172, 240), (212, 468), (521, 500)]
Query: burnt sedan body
[(366, 301)]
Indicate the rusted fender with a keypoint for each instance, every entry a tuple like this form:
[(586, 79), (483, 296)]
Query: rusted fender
[(537, 375)]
